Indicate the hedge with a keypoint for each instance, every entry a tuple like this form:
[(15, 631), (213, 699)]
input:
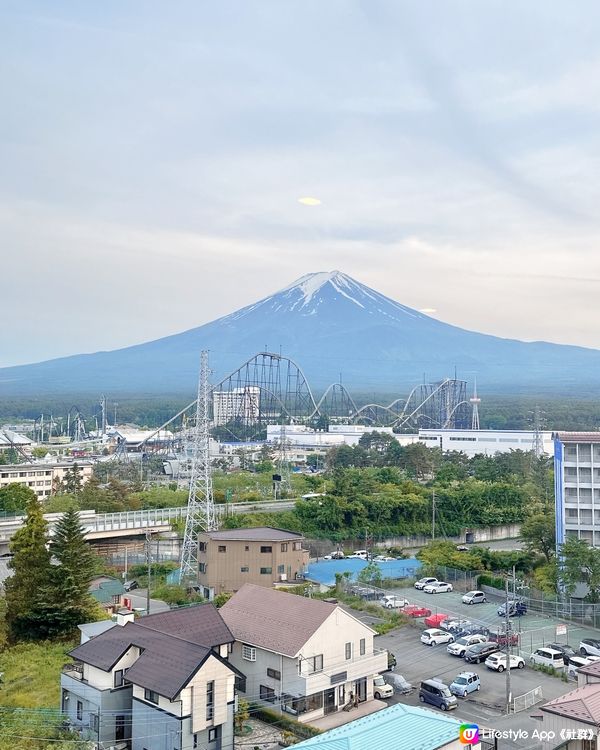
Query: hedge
[(273, 717)]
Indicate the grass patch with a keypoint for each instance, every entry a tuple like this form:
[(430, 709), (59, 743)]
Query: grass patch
[(32, 674)]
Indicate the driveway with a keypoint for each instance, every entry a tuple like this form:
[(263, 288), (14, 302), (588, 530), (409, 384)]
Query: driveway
[(138, 601)]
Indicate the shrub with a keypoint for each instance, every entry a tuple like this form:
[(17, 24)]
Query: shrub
[(284, 722)]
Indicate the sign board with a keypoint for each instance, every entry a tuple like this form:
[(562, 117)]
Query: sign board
[(561, 630)]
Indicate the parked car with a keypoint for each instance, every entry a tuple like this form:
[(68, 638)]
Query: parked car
[(131, 585), (393, 602), (437, 694), (455, 626), (465, 683), (414, 610), (383, 558), (398, 683), (337, 555), (480, 651), (589, 647), (462, 548), (460, 645), (575, 662), (566, 650), (380, 688), (498, 661), (502, 638), (433, 621), (433, 637), (474, 597), (362, 554), (472, 629), (515, 609), (439, 587), (548, 657), (422, 582)]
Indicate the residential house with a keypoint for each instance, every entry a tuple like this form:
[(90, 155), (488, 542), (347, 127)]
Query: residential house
[(162, 682), (572, 721), (303, 656), (230, 558), (398, 727), (108, 591)]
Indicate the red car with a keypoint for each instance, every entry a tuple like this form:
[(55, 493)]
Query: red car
[(413, 610), (433, 621), (502, 639)]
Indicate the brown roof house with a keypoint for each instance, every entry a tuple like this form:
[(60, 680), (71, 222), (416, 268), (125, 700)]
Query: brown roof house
[(302, 656), (163, 681), (228, 559), (574, 717)]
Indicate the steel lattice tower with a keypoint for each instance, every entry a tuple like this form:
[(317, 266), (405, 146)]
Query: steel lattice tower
[(283, 459), (475, 401), (538, 438), (201, 508)]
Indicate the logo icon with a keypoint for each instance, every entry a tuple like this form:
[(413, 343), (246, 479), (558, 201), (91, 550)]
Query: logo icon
[(469, 734)]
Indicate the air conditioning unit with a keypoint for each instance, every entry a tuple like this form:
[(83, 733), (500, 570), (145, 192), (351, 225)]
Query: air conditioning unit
[(283, 576)]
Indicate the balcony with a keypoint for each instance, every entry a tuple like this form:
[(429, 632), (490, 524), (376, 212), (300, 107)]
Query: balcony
[(75, 671), (341, 671)]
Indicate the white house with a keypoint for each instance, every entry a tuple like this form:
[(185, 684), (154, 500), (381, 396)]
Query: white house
[(303, 656), (167, 671)]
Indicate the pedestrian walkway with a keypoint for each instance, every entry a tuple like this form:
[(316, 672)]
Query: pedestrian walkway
[(343, 717)]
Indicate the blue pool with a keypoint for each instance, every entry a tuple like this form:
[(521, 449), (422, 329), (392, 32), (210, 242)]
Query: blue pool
[(324, 571)]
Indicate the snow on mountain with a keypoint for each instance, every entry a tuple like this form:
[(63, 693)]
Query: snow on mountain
[(329, 323)]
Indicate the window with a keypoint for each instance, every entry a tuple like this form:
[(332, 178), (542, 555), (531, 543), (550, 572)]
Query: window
[(65, 701), (240, 684), (94, 722), (363, 646), (266, 571), (266, 549), (79, 710), (210, 700), (315, 664), (284, 547), (202, 567), (267, 694), (222, 548), (274, 673), (297, 545), (248, 652), (246, 548), (120, 677), (339, 677), (195, 743), (213, 734), (202, 548), (348, 649), (151, 696), (281, 569), (244, 569)]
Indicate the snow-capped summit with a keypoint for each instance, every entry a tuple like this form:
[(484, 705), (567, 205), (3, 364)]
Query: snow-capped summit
[(328, 323)]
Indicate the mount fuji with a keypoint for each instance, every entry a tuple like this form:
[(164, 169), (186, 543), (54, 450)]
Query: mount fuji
[(329, 324)]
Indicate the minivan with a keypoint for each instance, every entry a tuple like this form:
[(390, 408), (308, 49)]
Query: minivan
[(438, 694), (380, 688), (549, 657)]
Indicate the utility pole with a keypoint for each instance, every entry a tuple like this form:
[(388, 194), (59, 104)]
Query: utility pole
[(149, 560), (507, 636), (432, 515)]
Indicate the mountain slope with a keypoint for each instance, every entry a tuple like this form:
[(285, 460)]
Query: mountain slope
[(329, 324)]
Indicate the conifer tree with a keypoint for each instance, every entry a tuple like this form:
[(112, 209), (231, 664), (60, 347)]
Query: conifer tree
[(30, 564)]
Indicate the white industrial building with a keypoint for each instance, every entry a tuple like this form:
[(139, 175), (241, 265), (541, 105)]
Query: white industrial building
[(473, 442)]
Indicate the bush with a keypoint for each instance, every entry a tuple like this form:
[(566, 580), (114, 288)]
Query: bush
[(284, 722), (488, 580)]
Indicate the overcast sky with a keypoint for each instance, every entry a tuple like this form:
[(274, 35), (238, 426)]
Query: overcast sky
[(152, 156)]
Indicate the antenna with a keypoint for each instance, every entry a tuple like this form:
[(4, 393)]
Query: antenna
[(283, 463), (201, 508), (538, 438), (475, 401)]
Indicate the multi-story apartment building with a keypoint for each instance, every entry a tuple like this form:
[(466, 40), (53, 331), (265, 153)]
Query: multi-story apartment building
[(577, 486), (230, 558), (42, 477), (302, 656), (161, 682), (239, 403)]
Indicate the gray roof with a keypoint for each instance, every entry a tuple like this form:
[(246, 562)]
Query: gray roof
[(258, 534), (274, 620), (92, 629), (201, 624)]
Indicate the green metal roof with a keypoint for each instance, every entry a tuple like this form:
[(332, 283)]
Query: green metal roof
[(106, 590), (398, 727)]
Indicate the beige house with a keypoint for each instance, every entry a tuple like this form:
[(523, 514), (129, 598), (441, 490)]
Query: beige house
[(572, 721), (262, 556), (42, 477), (301, 656)]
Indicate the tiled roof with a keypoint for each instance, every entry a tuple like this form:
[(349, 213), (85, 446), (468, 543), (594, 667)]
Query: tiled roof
[(201, 624), (166, 664), (258, 534), (577, 437), (274, 620), (581, 704), (591, 669), (398, 727)]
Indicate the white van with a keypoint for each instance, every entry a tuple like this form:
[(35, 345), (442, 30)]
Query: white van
[(549, 657), (380, 688), (362, 553)]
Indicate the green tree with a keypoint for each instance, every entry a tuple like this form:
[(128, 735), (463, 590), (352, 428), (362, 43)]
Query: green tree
[(538, 532), (580, 563), (73, 480), (14, 497), (241, 715), (371, 573), (30, 564)]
